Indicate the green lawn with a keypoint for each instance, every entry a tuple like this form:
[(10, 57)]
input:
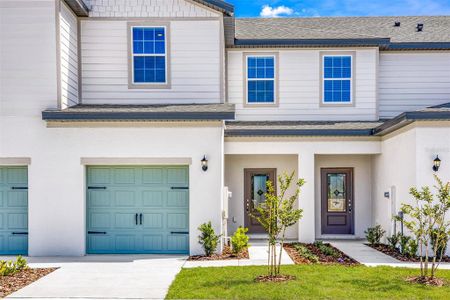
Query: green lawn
[(313, 281)]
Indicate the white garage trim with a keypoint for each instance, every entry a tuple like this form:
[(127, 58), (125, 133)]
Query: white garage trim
[(15, 161), (136, 161)]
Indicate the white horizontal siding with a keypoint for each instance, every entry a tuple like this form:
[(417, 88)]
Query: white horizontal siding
[(69, 57), (411, 81), (299, 88), (149, 8), (195, 62)]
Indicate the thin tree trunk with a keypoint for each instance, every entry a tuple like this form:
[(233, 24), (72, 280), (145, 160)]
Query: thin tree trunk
[(281, 250)]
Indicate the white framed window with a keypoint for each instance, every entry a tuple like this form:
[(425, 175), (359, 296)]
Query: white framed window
[(337, 78), (149, 56), (260, 81)]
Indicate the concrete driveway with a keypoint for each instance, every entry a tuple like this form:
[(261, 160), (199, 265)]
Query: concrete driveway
[(104, 277)]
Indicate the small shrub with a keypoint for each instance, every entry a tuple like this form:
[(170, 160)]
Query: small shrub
[(374, 234), (8, 268), (393, 240), (411, 248), (326, 250), (404, 241), (306, 253), (442, 247), (239, 240), (208, 238)]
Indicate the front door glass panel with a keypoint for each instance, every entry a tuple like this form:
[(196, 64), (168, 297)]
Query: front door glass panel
[(259, 188), (336, 192)]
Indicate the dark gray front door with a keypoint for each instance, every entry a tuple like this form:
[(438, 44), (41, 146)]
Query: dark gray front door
[(255, 181), (337, 201)]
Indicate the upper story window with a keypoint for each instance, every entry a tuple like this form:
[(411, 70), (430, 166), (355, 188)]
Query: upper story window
[(149, 57), (261, 79), (337, 79)]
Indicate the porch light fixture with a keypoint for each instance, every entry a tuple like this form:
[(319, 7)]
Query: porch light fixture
[(204, 162), (436, 163)]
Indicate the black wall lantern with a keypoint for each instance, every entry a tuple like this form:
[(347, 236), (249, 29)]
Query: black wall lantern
[(204, 163), (436, 163)]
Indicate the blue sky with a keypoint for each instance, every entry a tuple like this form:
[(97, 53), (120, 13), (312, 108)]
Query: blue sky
[(313, 8)]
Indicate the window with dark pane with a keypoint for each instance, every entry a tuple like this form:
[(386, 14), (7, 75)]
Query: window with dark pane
[(149, 54), (259, 188), (260, 79), (337, 79), (336, 192)]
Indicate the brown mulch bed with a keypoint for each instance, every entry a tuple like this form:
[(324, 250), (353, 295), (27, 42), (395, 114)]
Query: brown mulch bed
[(277, 278), (10, 284), (427, 281), (395, 253), (343, 259), (226, 255)]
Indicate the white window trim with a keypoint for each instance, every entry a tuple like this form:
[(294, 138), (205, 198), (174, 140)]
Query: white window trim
[(275, 79), (149, 85), (322, 72)]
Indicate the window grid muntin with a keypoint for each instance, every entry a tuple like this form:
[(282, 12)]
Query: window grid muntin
[(134, 55), (337, 93), (264, 78)]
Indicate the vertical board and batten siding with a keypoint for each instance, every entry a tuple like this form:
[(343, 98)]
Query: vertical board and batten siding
[(195, 64), (300, 85), (69, 56), (149, 8), (411, 81)]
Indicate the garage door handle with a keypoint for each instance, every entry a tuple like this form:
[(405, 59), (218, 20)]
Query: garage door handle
[(19, 188), (20, 233), (179, 188), (136, 218), (96, 232), (96, 187), (179, 232), (140, 219)]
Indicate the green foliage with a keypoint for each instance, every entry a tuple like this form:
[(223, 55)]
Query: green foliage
[(239, 240), (403, 242), (8, 268), (440, 247), (427, 218), (276, 214), (208, 238), (306, 253), (374, 234), (411, 248), (393, 240), (326, 249)]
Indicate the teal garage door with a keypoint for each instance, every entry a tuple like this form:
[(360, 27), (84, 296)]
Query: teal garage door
[(13, 210), (135, 209)]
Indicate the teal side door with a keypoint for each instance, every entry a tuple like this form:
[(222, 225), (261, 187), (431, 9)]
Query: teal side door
[(137, 209), (13, 210)]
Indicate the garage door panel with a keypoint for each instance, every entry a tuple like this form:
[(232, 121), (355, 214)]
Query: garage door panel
[(178, 199), (177, 176), (125, 198), (99, 176), (18, 243), (152, 199), (152, 176), (125, 221), (178, 243), (17, 176), (153, 220), (17, 221), (17, 199), (99, 220), (147, 192), (125, 243), (153, 242), (177, 220), (124, 176)]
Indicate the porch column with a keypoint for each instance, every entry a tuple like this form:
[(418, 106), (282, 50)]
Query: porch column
[(306, 229)]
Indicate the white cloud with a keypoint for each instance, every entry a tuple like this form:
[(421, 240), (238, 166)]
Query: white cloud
[(275, 12)]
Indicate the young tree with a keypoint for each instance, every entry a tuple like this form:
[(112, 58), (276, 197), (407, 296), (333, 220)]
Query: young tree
[(427, 221), (276, 214)]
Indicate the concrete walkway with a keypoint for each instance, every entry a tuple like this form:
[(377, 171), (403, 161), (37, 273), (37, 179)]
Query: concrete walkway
[(104, 277), (257, 253), (371, 257)]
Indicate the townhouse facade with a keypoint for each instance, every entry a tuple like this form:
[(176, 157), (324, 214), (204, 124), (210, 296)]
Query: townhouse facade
[(125, 124)]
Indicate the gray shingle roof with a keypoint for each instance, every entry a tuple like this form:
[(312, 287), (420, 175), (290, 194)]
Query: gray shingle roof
[(435, 29), (84, 112)]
